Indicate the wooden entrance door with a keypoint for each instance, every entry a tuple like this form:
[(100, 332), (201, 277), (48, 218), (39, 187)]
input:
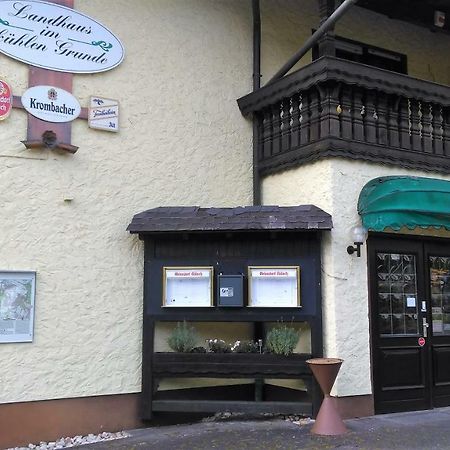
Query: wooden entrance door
[(410, 323)]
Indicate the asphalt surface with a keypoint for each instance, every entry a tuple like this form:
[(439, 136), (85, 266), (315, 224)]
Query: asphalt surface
[(409, 431)]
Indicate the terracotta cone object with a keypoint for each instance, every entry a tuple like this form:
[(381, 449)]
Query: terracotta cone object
[(328, 422), (326, 372)]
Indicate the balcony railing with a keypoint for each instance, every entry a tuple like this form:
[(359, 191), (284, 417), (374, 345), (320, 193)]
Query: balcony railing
[(337, 108)]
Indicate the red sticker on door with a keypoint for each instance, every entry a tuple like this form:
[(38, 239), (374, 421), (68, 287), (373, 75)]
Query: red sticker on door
[(421, 341)]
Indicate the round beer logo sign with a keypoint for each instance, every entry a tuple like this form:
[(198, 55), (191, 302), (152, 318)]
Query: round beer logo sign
[(51, 104), (5, 100)]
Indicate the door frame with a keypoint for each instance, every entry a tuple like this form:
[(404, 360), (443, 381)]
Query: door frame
[(422, 247)]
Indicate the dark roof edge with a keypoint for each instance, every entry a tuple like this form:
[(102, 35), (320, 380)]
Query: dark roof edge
[(188, 219)]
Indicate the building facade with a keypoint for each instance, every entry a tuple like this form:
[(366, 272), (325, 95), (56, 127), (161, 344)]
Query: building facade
[(369, 100)]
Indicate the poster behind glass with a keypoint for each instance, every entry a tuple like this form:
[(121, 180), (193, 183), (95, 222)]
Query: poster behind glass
[(274, 287), (17, 292), (187, 287)]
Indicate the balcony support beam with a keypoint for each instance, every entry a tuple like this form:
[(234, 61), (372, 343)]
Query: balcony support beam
[(327, 25)]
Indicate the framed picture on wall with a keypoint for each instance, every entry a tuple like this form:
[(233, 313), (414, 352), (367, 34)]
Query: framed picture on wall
[(274, 286), (187, 287), (17, 293)]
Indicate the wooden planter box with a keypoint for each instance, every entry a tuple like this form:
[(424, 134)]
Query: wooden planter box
[(230, 365)]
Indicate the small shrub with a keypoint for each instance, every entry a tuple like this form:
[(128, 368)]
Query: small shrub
[(282, 340), (198, 350), (183, 338), (245, 347), (218, 346)]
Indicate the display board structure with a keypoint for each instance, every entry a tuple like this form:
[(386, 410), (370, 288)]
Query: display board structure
[(17, 293)]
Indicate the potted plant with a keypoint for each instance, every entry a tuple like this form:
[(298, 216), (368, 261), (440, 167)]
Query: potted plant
[(282, 340)]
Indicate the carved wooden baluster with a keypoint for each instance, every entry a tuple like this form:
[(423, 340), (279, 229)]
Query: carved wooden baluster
[(286, 124), (295, 120), (346, 113), (334, 110), (382, 118), (416, 124), (371, 117), (325, 108), (404, 113), (427, 126), (394, 121), (315, 109), (438, 129), (305, 119), (276, 126), (359, 111), (446, 131), (267, 133)]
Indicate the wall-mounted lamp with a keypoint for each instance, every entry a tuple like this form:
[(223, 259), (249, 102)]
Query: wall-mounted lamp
[(358, 235)]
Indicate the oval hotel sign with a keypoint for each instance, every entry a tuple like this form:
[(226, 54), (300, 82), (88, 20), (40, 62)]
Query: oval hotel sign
[(57, 38), (51, 104)]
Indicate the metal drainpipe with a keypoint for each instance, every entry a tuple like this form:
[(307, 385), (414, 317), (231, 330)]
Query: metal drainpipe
[(256, 85), (293, 60)]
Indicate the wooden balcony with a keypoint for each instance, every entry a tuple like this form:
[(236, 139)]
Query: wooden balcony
[(338, 108)]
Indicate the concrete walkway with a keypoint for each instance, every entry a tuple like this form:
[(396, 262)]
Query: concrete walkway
[(424, 430)]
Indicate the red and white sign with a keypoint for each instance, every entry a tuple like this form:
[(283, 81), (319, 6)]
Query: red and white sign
[(274, 273), (6, 100), (181, 273), (421, 341)]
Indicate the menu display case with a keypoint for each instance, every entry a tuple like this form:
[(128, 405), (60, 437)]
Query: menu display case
[(274, 286), (187, 287)]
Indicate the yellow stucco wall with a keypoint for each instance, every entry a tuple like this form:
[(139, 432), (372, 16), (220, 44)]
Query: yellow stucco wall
[(182, 142), (344, 277), (286, 24)]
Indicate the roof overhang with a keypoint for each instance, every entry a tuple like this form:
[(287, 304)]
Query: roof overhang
[(419, 12), (184, 219)]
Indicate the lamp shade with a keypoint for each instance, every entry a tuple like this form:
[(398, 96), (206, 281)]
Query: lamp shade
[(358, 234)]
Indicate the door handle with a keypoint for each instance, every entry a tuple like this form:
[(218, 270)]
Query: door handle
[(425, 326)]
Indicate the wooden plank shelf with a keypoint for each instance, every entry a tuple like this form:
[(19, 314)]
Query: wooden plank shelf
[(230, 365), (208, 406)]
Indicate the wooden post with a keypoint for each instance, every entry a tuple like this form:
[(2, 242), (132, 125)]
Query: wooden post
[(37, 128), (327, 46)]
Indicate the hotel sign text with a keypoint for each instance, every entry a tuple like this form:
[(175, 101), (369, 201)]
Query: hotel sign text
[(57, 38)]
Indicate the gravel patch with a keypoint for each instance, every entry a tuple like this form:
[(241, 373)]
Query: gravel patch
[(75, 441), (228, 416)]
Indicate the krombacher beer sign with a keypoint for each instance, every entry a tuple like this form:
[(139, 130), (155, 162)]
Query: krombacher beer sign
[(56, 38), (51, 104)]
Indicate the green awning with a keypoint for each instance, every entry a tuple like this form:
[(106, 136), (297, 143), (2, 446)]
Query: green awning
[(401, 201)]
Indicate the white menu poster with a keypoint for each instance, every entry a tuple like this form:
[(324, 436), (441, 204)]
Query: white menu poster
[(187, 287), (274, 287)]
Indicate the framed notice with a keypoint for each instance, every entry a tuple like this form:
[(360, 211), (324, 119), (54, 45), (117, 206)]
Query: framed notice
[(274, 286), (17, 291), (187, 287)]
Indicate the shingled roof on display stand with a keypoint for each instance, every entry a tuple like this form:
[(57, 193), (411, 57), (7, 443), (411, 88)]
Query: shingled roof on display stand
[(242, 218)]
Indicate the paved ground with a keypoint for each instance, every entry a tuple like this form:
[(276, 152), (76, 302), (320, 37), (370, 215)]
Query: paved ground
[(409, 431)]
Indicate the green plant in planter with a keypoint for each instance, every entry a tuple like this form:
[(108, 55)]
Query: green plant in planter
[(282, 340), (183, 338), (245, 347), (218, 346)]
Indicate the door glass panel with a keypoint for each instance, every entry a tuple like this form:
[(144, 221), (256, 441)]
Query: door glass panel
[(397, 294), (440, 294)]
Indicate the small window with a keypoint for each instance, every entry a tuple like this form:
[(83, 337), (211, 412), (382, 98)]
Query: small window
[(367, 54)]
